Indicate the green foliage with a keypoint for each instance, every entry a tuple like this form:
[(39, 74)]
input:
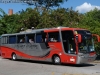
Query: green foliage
[(2, 13), (29, 18)]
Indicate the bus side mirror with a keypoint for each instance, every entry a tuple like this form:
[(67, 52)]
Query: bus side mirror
[(96, 38), (79, 38)]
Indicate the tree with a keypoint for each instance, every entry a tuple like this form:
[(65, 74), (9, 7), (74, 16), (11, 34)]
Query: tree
[(44, 4), (29, 18), (2, 22), (2, 13)]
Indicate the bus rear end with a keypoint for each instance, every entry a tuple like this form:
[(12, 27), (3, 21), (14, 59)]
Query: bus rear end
[(0, 46)]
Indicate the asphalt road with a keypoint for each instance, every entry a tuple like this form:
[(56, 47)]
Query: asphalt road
[(24, 67)]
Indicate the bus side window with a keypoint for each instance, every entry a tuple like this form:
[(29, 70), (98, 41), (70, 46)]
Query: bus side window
[(12, 39), (41, 38), (20, 38), (44, 38), (4, 40), (38, 38), (30, 38), (54, 37)]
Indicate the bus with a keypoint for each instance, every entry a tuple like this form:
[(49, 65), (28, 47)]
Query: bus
[(57, 45)]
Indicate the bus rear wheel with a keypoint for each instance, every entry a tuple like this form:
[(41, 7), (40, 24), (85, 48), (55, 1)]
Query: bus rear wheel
[(14, 57), (56, 60)]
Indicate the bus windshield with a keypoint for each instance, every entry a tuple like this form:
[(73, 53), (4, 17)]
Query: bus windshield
[(87, 44)]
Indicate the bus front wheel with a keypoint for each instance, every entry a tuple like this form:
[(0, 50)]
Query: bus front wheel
[(14, 57), (56, 59)]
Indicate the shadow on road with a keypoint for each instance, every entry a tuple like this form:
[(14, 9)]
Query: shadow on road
[(34, 61), (49, 63), (79, 65)]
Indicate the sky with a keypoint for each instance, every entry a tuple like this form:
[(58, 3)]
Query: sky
[(82, 6)]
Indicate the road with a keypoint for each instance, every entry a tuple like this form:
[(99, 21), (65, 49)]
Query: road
[(24, 67)]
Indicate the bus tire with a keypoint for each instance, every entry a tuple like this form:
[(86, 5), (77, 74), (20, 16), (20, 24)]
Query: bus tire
[(56, 59), (14, 57)]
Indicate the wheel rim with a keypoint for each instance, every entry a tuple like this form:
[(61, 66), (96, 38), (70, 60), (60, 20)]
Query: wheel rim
[(14, 57), (57, 60)]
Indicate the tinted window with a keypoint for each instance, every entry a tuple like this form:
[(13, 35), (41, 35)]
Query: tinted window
[(21, 38), (54, 37), (12, 39), (30, 38), (4, 40)]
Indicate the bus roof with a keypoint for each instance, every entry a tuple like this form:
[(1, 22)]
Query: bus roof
[(28, 31)]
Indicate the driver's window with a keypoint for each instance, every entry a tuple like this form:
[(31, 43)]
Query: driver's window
[(54, 37)]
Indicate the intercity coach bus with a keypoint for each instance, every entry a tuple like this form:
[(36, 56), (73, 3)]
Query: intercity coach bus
[(57, 45)]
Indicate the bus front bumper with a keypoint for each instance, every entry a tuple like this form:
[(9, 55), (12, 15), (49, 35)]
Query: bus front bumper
[(86, 58)]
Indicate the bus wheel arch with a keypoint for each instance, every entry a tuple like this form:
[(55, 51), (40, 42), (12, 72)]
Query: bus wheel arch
[(13, 56), (56, 59)]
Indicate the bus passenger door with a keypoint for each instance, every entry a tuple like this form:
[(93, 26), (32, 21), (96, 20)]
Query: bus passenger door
[(69, 46)]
